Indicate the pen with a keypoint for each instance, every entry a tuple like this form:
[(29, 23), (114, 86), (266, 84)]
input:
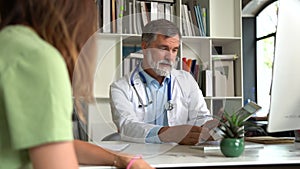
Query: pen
[(202, 116)]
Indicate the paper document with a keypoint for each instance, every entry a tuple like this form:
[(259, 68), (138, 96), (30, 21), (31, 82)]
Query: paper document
[(115, 146), (249, 109), (215, 145)]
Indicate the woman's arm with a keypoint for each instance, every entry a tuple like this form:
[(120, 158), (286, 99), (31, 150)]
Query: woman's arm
[(59, 155), (62, 155), (90, 154)]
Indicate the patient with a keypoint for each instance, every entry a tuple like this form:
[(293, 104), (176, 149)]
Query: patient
[(39, 44)]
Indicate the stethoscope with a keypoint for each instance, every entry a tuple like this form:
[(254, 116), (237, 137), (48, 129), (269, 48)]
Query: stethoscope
[(168, 106)]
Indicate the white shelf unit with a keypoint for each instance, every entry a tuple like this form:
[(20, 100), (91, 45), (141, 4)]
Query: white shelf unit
[(224, 29)]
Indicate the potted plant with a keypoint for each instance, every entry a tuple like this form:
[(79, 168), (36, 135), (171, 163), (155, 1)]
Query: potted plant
[(232, 127)]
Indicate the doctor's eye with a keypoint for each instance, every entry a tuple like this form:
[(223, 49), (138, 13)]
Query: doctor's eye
[(162, 48), (175, 50)]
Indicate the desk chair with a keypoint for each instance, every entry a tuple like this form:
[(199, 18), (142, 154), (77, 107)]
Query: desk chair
[(112, 137), (79, 129)]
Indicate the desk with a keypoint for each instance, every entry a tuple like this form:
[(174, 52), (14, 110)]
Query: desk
[(182, 156)]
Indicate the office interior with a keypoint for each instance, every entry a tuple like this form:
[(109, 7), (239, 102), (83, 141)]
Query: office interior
[(171, 156), (251, 9)]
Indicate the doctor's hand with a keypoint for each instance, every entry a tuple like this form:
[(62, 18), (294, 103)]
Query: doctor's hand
[(182, 134), (208, 131)]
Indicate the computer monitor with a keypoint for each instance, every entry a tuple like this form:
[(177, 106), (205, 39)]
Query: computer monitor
[(285, 92)]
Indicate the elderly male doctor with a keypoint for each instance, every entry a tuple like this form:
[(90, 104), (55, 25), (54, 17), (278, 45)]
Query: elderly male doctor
[(156, 103)]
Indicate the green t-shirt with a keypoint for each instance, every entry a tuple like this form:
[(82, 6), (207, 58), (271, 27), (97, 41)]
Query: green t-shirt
[(35, 95)]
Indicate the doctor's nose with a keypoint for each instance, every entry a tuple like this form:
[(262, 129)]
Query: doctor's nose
[(167, 55), (171, 56)]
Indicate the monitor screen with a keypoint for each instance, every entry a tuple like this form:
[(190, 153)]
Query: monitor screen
[(285, 93)]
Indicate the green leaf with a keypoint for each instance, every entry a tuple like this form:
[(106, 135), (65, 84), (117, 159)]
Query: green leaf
[(232, 126)]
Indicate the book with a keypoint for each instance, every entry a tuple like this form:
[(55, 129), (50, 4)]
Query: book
[(270, 139), (129, 64), (206, 83), (144, 12), (186, 18), (199, 10), (137, 54), (191, 5), (154, 10), (106, 17), (126, 66), (139, 22), (100, 13), (165, 1), (189, 64), (167, 11), (134, 24), (219, 84), (130, 18), (204, 18), (193, 66), (127, 50), (198, 19), (225, 57), (120, 7), (113, 17), (173, 12), (126, 17), (184, 24), (130, 61), (191, 24), (184, 64), (196, 73), (217, 50), (160, 11)]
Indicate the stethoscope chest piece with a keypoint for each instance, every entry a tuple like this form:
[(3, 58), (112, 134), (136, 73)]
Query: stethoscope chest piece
[(169, 105)]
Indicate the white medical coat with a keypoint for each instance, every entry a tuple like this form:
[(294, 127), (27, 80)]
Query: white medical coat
[(187, 98)]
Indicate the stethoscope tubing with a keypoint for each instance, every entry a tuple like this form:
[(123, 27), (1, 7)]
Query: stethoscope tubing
[(143, 79)]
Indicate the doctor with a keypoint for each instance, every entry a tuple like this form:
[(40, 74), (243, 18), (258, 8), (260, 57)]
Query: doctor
[(156, 103)]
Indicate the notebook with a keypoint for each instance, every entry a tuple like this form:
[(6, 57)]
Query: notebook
[(270, 139)]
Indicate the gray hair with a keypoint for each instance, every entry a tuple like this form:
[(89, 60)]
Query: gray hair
[(160, 26)]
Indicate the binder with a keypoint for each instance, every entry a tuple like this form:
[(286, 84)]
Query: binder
[(206, 83), (224, 78)]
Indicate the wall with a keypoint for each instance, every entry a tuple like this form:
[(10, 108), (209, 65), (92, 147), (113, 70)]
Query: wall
[(249, 58)]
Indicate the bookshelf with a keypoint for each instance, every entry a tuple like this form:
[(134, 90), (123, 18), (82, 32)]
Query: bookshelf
[(222, 34)]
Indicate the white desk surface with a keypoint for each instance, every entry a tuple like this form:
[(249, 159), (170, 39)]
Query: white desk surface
[(180, 156)]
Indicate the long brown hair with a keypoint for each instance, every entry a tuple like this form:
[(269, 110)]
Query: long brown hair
[(66, 24)]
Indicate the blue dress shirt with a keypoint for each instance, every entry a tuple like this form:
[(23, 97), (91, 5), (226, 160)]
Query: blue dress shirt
[(159, 95)]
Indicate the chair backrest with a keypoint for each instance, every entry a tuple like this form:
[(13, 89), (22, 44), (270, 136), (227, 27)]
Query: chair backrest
[(100, 124), (112, 137)]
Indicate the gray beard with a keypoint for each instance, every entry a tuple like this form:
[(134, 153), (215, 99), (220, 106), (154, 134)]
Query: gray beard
[(161, 72)]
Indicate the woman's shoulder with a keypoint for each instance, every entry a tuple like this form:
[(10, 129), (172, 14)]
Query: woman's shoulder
[(20, 43)]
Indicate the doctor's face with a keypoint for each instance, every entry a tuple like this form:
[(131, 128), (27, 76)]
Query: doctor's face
[(160, 55)]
